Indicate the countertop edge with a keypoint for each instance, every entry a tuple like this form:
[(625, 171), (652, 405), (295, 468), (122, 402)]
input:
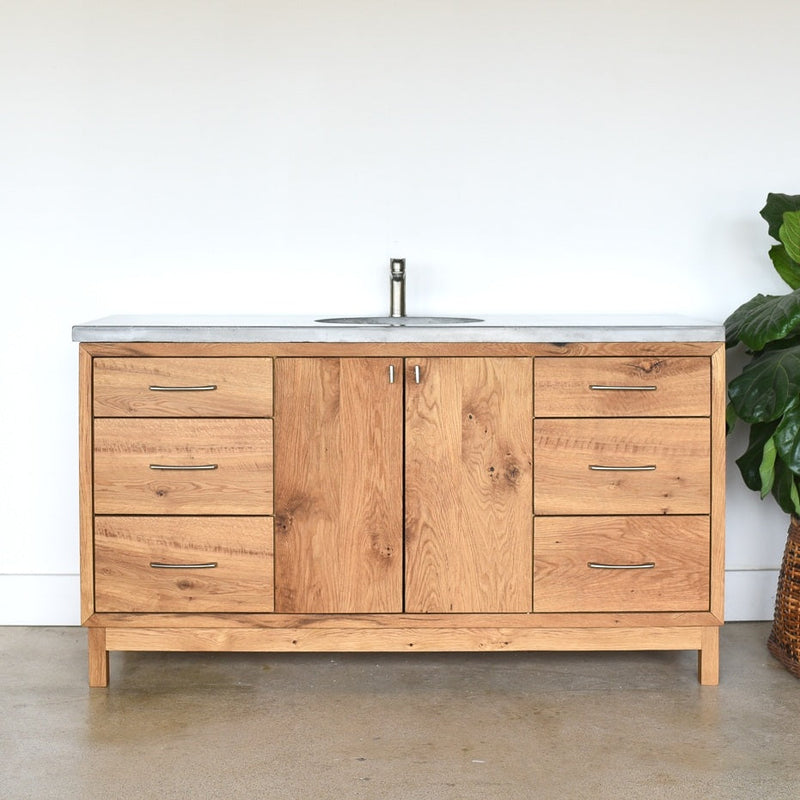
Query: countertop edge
[(533, 329)]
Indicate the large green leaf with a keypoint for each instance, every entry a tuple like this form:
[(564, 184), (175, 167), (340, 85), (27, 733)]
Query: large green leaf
[(784, 490), (777, 205), (790, 234), (787, 437), (766, 471), (767, 385), (750, 461), (763, 319), (788, 269)]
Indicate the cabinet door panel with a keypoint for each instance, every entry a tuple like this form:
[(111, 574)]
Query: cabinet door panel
[(468, 485), (338, 485)]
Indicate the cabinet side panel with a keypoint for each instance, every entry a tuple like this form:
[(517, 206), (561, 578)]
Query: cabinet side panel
[(468, 485), (718, 466), (85, 497), (338, 486)]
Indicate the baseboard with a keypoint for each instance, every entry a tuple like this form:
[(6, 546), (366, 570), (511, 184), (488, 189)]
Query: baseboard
[(55, 599), (40, 600), (750, 594)]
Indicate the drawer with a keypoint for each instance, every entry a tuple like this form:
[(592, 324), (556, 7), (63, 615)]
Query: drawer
[(621, 466), (182, 387), (183, 564), (622, 387), (621, 564), (183, 466)]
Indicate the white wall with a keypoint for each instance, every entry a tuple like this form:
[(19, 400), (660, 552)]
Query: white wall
[(270, 156)]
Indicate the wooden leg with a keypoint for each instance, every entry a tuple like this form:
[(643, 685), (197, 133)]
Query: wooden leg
[(98, 657), (708, 657)]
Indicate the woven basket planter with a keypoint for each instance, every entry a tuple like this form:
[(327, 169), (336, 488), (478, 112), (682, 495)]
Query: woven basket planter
[(784, 639)]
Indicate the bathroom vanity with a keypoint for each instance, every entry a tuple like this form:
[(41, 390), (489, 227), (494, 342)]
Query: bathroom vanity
[(285, 484)]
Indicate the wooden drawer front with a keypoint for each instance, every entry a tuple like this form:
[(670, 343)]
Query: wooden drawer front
[(621, 466), (240, 548), (604, 564), (182, 387), (622, 387), (213, 466)]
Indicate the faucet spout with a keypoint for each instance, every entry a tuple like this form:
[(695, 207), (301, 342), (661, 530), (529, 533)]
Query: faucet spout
[(397, 297)]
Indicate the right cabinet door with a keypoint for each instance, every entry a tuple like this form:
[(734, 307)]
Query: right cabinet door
[(468, 485)]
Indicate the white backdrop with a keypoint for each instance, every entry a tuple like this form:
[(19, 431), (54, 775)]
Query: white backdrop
[(270, 156)]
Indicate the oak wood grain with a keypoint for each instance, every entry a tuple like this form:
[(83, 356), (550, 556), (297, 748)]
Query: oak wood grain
[(125, 449), (719, 399), (240, 547), (635, 386), (366, 621), (468, 485), (86, 483), (338, 489), (566, 449), (242, 387), (404, 640), (396, 349), (566, 547)]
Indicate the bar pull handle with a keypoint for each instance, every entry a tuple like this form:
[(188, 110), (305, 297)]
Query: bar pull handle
[(208, 388), (645, 565), (183, 466), (162, 565), (416, 373), (391, 373), (599, 387), (611, 468)]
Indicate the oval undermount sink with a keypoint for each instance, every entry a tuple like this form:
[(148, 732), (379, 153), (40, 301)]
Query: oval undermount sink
[(408, 321)]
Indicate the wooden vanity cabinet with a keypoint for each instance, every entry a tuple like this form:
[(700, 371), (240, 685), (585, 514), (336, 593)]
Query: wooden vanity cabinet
[(399, 497)]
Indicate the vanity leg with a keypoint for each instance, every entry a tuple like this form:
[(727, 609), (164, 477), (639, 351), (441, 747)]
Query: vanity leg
[(98, 658), (708, 657)]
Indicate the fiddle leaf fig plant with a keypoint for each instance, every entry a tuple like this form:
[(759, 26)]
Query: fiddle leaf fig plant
[(767, 392)]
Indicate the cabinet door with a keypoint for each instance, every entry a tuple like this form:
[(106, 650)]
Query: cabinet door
[(468, 485), (338, 485)]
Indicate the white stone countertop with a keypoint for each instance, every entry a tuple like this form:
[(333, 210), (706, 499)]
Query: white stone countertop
[(560, 328)]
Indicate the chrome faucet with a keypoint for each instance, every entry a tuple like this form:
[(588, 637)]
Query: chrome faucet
[(397, 299)]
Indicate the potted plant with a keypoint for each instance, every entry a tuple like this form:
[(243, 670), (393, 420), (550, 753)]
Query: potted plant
[(766, 395)]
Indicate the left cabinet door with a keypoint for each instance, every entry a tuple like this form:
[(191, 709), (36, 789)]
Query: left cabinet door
[(338, 485)]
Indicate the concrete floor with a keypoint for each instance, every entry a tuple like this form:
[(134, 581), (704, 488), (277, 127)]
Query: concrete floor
[(384, 726)]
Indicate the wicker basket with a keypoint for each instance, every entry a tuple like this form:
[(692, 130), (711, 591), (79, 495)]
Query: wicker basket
[(784, 639)]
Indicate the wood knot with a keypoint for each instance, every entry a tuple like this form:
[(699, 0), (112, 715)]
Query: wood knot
[(512, 473)]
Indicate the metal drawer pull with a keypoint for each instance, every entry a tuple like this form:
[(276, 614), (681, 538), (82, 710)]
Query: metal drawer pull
[(597, 387), (391, 373), (183, 466), (646, 565), (161, 565), (210, 388), (416, 373), (604, 468)]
